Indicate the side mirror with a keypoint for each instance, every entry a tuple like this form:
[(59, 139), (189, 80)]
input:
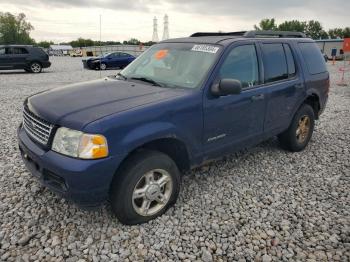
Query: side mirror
[(227, 87)]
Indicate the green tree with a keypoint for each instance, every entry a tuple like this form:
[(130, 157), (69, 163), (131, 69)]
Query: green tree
[(45, 44), (346, 32), (314, 29), (132, 41), (293, 25), (266, 24), (335, 33), (81, 42), (15, 29)]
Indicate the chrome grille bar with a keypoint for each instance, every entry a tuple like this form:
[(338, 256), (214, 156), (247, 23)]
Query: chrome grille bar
[(37, 128)]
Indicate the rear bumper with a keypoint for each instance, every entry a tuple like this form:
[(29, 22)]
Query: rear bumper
[(84, 182), (46, 64)]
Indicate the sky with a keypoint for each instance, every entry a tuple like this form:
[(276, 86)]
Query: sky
[(66, 20)]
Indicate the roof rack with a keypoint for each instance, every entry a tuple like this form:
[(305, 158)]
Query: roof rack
[(254, 34), (278, 34), (240, 33)]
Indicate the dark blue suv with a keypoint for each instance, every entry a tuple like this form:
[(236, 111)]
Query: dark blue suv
[(128, 138)]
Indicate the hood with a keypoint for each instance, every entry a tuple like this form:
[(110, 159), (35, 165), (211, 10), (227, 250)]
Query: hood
[(76, 105)]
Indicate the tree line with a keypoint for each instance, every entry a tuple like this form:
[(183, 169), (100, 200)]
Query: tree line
[(312, 28), (15, 29)]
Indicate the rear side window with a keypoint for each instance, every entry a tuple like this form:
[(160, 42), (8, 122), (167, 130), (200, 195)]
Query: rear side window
[(18, 51), (2, 51), (313, 58), (290, 60), (275, 63)]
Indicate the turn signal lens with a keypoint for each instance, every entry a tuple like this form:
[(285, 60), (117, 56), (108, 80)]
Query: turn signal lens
[(93, 146)]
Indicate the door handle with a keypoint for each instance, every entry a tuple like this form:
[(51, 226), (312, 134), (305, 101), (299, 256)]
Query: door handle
[(299, 86), (258, 97)]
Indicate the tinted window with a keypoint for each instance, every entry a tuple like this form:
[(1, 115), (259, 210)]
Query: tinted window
[(313, 58), (242, 64), (290, 60), (115, 55), (124, 55), (275, 64), (18, 51)]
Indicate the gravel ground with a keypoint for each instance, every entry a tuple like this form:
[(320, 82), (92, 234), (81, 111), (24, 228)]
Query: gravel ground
[(263, 204)]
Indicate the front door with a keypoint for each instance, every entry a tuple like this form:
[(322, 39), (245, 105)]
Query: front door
[(4, 58), (235, 121)]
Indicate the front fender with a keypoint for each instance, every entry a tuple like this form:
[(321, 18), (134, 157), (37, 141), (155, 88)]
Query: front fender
[(149, 132)]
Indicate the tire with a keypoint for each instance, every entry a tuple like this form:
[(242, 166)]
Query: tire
[(132, 190), (35, 67), (299, 133), (103, 66)]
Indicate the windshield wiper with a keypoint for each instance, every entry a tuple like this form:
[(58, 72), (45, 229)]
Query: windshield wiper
[(148, 80), (122, 76)]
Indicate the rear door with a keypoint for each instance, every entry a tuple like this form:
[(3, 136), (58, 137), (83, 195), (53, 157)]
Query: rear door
[(235, 121), (19, 57), (285, 83)]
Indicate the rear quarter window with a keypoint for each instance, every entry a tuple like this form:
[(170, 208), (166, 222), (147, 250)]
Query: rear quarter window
[(313, 58)]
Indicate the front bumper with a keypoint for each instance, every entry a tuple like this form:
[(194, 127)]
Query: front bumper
[(84, 182)]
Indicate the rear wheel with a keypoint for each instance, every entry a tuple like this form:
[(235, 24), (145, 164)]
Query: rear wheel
[(299, 133), (35, 67), (148, 184)]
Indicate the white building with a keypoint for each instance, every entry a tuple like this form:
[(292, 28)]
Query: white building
[(60, 49)]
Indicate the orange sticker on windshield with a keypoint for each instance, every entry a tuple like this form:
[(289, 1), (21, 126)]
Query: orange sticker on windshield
[(161, 54)]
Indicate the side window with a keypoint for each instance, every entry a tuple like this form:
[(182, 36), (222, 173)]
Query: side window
[(275, 63), (241, 64), (18, 51), (2, 51), (290, 60), (313, 58)]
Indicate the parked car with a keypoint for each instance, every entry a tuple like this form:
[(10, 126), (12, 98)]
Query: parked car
[(76, 53), (128, 138), (31, 59), (109, 60)]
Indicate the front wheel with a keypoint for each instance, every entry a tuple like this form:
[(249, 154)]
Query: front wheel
[(299, 133), (148, 184)]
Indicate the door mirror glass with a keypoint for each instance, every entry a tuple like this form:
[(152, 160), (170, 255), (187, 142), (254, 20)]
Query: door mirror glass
[(227, 87)]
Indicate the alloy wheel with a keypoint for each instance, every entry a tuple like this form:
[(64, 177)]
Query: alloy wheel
[(152, 192)]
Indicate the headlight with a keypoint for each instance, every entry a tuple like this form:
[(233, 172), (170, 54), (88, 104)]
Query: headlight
[(77, 144)]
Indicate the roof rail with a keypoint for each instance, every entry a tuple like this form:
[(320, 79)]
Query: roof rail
[(254, 34), (270, 33), (240, 33)]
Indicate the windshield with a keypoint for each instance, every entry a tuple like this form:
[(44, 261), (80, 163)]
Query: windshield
[(173, 64), (104, 55)]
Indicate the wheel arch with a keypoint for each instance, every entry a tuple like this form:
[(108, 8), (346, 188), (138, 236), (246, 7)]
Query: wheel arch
[(314, 101), (173, 147)]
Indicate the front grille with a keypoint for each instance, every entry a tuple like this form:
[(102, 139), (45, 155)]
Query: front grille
[(36, 127)]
